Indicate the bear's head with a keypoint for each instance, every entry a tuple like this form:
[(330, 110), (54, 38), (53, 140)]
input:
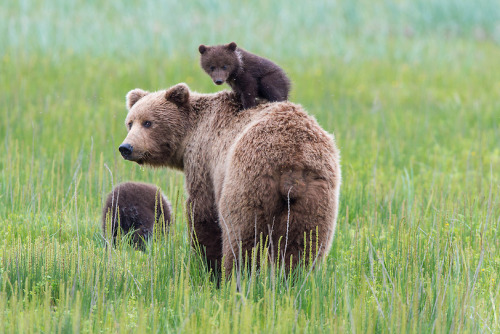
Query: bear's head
[(157, 124), (220, 61)]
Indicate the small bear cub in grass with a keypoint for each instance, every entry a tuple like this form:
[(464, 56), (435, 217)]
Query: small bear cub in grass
[(249, 75), (135, 206)]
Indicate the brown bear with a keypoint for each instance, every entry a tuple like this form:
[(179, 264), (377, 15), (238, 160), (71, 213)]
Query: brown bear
[(249, 75), (271, 170), (135, 206)]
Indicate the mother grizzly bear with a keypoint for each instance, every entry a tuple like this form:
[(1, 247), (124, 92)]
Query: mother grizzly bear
[(270, 170)]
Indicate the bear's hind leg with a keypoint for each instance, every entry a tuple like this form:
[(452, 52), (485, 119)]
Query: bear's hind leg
[(274, 87), (306, 224), (295, 212), (246, 211)]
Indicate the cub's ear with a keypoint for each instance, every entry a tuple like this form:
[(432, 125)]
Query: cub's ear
[(202, 48), (135, 95), (231, 46), (179, 94)]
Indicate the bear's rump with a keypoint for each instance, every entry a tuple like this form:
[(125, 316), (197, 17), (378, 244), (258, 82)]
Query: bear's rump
[(269, 170)]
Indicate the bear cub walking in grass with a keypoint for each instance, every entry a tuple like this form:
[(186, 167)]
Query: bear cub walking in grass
[(249, 75), (135, 206)]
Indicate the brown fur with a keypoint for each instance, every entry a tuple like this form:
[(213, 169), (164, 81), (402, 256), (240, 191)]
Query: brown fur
[(249, 75), (135, 206), (269, 170)]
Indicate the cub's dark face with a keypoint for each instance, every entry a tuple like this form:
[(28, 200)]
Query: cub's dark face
[(157, 124), (219, 61)]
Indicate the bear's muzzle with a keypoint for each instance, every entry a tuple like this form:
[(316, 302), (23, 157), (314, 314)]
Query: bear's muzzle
[(126, 150)]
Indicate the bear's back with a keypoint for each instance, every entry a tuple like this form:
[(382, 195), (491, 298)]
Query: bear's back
[(280, 139), (284, 132)]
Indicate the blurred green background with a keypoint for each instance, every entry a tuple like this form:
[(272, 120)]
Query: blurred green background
[(410, 89)]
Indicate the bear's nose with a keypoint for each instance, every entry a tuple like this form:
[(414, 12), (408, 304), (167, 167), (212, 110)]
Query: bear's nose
[(125, 150), (218, 81)]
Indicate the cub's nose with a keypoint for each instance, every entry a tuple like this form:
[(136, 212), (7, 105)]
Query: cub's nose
[(125, 150), (218, 81)]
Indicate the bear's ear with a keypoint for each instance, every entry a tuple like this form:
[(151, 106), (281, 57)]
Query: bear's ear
[(231, 46), (202, 48), (179, 94), (135, 95)]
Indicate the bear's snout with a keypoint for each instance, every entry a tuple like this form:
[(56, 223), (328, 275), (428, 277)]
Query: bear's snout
[(125, 150), (219, 81)]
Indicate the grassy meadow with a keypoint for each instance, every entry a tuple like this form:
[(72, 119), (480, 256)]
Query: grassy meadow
[(409, 88)]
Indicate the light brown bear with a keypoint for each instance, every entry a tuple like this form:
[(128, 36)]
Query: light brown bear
[(270, 170), (135, 206)]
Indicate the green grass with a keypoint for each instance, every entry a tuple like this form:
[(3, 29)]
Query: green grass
[(409, 88)]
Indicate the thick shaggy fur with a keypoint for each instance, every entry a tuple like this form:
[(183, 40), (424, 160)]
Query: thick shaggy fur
[(135, 206), (271, 170), (249, 75)]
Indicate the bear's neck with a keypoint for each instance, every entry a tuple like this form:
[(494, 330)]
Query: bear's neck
[(203, 105)]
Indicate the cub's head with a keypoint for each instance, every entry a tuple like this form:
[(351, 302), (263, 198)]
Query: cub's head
[(220, 61), (157, 124)]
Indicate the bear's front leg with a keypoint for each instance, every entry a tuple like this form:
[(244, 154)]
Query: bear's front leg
[(205, 231), (247, 88), (248, 100)]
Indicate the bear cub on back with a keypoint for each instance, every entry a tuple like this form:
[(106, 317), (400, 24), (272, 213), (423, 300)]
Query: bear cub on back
[(249, 75)]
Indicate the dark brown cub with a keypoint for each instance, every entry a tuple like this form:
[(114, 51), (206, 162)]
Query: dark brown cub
[(138, 207), (249, 75)]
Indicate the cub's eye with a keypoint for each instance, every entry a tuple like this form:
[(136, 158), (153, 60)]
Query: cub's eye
[(129, 125), (212, 68), (224, 67), (146, 124)]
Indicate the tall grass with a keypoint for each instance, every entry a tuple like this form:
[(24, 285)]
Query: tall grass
[(410, 89)]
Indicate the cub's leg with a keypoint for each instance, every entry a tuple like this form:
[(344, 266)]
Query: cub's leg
[(274, 87)]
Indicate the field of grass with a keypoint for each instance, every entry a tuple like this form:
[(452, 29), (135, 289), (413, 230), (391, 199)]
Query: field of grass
[(410, 89)]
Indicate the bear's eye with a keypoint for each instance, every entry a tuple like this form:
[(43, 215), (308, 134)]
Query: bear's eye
[(146, 124), (129, 125), (224, 67), (212, 68)]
